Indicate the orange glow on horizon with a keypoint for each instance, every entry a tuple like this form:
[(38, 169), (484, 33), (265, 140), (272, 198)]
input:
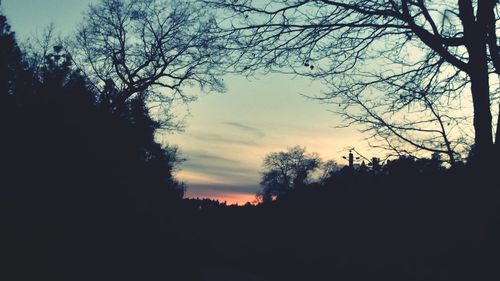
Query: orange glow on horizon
[(229, 197)]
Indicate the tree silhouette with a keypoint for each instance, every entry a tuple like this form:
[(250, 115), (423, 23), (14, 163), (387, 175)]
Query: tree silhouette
[(286, 171), (407, 165), (425, 126), (10, 59), (78, 178), (151, 47), (328, 169), (384, 56)]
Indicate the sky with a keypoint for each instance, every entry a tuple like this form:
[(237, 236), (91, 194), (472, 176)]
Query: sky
[(227, 135)]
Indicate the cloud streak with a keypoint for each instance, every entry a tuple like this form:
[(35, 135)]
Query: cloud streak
[(216, 168), (231, 174), (248, 129), (211, 138), (197, 155)]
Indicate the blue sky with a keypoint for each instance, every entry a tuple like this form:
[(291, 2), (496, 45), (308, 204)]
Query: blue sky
[(227, 135)]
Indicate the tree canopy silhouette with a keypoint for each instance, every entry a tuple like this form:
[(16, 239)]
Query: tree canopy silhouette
[(10, 58), (286, 170), (81, 180)]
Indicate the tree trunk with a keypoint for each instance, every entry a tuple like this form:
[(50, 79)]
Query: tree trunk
[(482, 111), (497, 136), (476, 36)]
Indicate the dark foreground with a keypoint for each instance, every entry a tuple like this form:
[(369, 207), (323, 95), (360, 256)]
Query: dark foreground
[(360, 228)]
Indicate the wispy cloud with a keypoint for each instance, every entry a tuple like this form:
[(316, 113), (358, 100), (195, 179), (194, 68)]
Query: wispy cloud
[(210, 137), (216, 168), (249, 129), (197, 155), (231, 174)]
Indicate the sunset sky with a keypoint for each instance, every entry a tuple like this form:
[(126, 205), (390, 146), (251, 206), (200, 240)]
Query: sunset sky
[(227, 135)]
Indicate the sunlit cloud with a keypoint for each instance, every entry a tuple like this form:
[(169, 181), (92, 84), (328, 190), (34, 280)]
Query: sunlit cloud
[(217, 172)]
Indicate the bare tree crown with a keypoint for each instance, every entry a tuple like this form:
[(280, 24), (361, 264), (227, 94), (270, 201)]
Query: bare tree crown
[(381, 58), (149, 46)]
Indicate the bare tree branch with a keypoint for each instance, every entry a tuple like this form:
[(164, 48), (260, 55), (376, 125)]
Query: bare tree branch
[(410, 53), (147, 46)]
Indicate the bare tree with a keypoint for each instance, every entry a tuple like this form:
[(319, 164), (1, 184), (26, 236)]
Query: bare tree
[(402, 52), (328, 169), (151, 47), (37, 48), (287, 170), (421, 126)]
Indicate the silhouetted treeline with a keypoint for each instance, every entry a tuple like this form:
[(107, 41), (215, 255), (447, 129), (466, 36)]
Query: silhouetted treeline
[(80, 179), (402, 224), (409, 219)]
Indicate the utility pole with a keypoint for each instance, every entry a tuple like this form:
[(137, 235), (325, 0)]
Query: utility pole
[(350, 158)]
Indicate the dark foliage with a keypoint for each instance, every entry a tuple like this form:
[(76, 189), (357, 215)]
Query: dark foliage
[(415, 225), (79, 180)]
